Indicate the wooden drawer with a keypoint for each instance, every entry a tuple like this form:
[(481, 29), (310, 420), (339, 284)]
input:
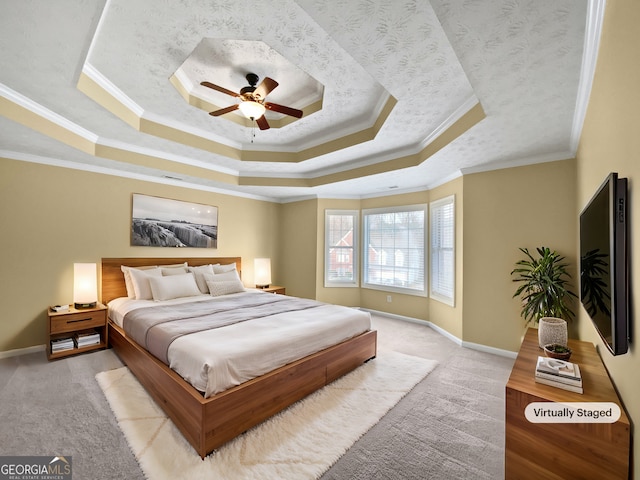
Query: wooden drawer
[(77, 321)]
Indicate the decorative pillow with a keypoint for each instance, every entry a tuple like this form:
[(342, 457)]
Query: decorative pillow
[(224, 287), (175, 265), (199, 273), (173, 271), (131, 292), (140, 281), (217, 269), (220, 277), (174, 286)]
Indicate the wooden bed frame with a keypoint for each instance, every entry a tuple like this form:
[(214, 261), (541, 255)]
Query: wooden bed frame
[(208, 423)]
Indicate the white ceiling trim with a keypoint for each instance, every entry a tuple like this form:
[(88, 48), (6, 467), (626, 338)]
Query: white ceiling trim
[(165, 180), (108, 86), (41, 111), (520, 162), (95, 75), (108, 142), (595, 19), (453, 118)]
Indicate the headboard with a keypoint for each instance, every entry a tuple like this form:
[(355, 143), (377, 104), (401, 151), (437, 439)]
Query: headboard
[(113, 279)]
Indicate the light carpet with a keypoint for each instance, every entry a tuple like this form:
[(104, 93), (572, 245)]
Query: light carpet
[(301, 442)]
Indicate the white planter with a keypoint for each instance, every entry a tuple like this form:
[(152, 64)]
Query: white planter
[(552, 330)]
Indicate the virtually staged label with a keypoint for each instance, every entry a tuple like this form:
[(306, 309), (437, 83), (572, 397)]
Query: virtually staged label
[(572, 412)]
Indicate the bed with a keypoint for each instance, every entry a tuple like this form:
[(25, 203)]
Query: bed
[(210, 419)]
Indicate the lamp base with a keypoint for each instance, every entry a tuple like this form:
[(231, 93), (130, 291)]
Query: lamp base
[(262, 287), (80, 306)]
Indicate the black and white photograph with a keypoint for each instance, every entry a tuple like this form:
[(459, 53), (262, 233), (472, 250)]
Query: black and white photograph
[(163, 222)]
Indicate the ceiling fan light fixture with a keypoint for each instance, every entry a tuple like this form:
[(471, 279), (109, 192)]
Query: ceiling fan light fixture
[(252, 110)]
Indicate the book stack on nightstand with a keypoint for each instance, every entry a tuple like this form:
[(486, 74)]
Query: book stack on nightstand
[(62, 344), (86, 339)]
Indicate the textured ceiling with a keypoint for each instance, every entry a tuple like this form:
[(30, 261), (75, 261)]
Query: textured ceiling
[(397, 94)]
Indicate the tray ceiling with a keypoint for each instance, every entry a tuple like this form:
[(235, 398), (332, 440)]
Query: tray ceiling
[(397, 95)]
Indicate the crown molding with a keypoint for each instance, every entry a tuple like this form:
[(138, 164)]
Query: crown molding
[(161, 179), (593, 32), (519, 162), (43, 112)]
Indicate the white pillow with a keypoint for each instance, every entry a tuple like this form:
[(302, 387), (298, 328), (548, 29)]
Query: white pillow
[(221, 277), (174, 271), (131, 292), (174, 286), (223, 268), (224, 287), (199, 273), (140, 281)]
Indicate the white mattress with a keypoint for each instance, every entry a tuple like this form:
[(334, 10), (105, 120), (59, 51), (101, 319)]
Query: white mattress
[(215, 360)]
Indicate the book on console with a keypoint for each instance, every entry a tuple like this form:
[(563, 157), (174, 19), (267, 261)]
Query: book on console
[(559, 370), (562, 385)]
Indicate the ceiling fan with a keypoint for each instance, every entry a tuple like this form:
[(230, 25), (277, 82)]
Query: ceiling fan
[(252, 100)]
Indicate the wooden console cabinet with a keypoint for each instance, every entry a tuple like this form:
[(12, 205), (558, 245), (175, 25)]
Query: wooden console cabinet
[(563, 450)]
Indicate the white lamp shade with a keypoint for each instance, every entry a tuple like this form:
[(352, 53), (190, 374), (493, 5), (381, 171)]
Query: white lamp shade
[(262, 271), (85, 283), (252, 110)]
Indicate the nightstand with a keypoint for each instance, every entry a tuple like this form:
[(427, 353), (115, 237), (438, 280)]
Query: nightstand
[(76, 331), (275, 289)]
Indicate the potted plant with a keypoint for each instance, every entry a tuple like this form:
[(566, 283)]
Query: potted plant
[(545, 291)]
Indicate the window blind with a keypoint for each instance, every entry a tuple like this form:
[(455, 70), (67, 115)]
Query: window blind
[(442, 279), (395, 249)]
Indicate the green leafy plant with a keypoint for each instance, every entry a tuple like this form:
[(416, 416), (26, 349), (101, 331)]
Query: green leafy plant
[(544, 285), (594, 267), (555, 348)]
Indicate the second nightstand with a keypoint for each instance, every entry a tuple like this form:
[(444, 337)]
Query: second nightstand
[(275, 289)]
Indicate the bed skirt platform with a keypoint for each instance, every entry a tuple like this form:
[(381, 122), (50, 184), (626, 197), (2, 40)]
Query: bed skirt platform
[(208, 423)]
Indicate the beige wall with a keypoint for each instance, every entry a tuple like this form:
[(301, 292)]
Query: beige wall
[(298, 248), (528, 207), (53, 217), (610, 142)]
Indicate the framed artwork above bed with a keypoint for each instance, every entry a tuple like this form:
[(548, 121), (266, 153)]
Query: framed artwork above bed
[(163, 222)]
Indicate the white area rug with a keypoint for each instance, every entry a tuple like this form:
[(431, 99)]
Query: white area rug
[(301, 442)]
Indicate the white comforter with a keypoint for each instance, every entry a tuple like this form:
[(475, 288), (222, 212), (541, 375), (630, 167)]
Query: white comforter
[(215, 360)]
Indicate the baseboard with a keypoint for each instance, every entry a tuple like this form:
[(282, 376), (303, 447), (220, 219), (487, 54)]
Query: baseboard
[(429, 324), (444, 333), (22, 351), (495, 351)]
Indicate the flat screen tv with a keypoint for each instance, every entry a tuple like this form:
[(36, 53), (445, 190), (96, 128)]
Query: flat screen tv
[(604, 278)]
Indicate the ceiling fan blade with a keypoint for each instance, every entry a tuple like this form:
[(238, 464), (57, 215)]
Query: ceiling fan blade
[(274, 107), (222, 111), (218, 88), (262, 123), (266, 87)]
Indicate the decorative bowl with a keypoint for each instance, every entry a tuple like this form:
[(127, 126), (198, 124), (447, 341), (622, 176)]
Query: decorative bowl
[(555, 350)]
